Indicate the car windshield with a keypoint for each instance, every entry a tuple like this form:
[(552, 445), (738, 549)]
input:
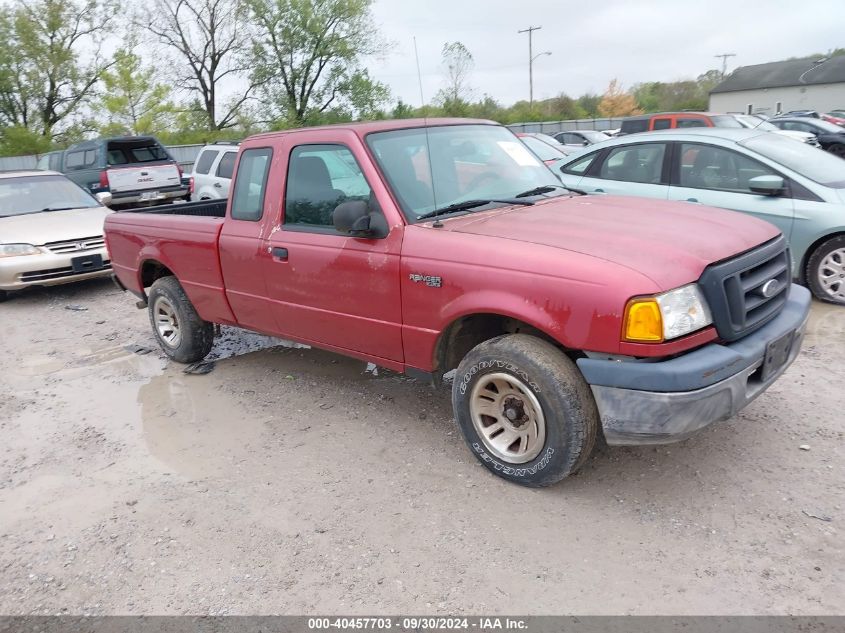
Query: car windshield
[(432, 168), (811, 162), (541, 148), (754, 123), (594, 137), (725, 120), (36, 194)]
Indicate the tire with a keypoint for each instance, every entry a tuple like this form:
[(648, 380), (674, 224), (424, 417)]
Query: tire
[(180, 331), (825, 272), (525, 373), (3, 295), (837, 149)]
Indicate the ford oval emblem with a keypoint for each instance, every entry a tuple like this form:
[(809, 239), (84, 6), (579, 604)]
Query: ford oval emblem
[(770, 288)]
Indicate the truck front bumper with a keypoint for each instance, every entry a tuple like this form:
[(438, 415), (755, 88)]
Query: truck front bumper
[(667, 401)]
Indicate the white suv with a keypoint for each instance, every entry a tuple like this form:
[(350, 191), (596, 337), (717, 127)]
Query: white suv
[(212, 171)]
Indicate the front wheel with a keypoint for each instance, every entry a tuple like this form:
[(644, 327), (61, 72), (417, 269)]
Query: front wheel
[(825, 272), (180, 331), (524, 410)]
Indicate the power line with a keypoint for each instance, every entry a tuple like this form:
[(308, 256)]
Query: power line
[(724, 57), (530, 30)]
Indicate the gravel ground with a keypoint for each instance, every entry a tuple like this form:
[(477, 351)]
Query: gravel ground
[(291, 480)]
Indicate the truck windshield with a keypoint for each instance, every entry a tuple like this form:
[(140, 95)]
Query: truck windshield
[(435, 167), (39, 194)]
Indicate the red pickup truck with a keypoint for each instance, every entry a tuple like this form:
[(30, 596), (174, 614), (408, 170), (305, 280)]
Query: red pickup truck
[(440, 245)]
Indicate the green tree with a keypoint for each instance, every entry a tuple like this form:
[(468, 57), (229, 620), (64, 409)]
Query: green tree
[(589, 103), (455, 95), (133, 100), (209, 40), (50, 62), (309, 56)]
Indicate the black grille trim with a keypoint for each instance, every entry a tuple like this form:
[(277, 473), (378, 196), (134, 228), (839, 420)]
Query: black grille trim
[(733, 288)]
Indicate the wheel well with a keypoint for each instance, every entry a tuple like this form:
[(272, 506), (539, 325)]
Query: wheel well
[(802, 272), (465, 333), (152, 270)]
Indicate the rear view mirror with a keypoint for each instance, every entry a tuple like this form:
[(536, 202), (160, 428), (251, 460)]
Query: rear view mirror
[(766, 185), (104, 198)]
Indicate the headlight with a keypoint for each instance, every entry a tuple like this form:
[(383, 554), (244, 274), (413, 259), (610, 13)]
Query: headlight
[(14, 250), (666, 316)]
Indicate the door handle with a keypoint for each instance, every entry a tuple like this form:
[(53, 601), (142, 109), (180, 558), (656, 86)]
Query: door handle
[(279, 253), (218, 185), (598, 191), (692, 200)]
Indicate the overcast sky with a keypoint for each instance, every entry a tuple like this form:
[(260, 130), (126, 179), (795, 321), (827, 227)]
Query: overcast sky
[(593, 42)]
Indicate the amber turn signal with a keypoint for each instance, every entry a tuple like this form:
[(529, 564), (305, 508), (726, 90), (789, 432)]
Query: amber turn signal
[(643, 321)]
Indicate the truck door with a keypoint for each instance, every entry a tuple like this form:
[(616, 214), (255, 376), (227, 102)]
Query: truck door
[(324, 287), (241, 243)]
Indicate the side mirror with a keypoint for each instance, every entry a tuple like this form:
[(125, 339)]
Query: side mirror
[(352, 218), (104, 198), (585, 143), (766, 185)]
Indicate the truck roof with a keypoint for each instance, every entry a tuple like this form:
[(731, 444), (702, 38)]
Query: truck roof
[(365, 127)]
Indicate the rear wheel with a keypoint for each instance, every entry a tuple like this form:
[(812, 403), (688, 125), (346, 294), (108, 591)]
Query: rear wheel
[(180, 331), (825, 272), (838, 149), (3, 295), (524, 410)]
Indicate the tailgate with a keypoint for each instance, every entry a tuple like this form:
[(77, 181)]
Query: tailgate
[(148, 177)]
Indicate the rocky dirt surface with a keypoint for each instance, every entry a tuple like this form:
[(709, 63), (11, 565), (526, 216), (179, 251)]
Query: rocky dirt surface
[(290, 480)]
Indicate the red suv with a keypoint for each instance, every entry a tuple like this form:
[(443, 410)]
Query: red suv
[(671, 120)]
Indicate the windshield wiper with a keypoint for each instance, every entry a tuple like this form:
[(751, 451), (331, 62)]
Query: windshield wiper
[(45, 209), (465, 205), (536, 191)]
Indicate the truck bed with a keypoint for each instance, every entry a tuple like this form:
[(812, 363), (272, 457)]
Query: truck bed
[(202, 208), (181, 238)]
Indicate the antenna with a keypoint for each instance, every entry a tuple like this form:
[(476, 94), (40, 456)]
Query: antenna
[(437, 223), (724, 57), (419, 74)]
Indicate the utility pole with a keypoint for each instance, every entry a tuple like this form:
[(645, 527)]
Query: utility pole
[(724, 57), (531, 57)]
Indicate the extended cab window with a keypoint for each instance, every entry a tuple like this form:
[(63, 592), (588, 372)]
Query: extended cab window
[(248, 196), (634, 163), (226, 165), (82, 158), (320, 177), (204, 161), (710, 167), (662, 124)]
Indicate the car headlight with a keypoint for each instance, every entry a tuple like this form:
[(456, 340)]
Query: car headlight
[(14, 250), (666, 316)]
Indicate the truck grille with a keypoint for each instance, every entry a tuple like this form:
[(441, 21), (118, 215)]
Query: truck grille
[(74, 246), (735, 288)]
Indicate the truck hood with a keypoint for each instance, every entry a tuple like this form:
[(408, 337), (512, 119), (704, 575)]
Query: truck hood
[(52, 226), (669, 242)]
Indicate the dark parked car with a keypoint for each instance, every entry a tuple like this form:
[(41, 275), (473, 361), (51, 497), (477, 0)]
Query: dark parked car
[(831, 137)]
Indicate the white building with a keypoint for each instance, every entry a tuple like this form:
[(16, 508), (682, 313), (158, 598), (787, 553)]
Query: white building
[(800, 84)]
